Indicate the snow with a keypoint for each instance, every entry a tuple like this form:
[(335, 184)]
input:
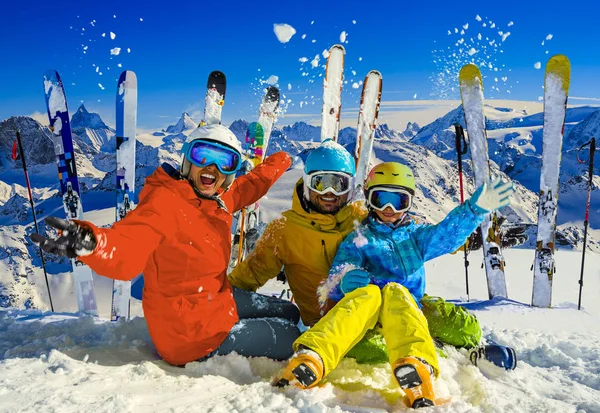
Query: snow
[(353, 21), (303, 59), (537, 65), (272, 80), (115, 51), (284, 32), (315, 61), (510, 23), (415, 96), (472, 51), (549, 37), (478, 18), (355, 85), (303, 37), (289, 86), (100, 86), (112, 36), (343, 37)]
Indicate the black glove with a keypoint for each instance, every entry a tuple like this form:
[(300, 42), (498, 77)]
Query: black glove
[(74, 240)]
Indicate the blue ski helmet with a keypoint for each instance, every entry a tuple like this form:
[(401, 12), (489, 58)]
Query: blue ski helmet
[(330, 156)]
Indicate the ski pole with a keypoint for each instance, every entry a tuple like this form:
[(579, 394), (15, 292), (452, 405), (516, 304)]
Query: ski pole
[(18, 143), (592, 144), (461, 149)]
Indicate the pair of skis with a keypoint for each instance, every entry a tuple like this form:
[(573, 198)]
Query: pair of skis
[(367, 117), (557, 79), (58, 115)]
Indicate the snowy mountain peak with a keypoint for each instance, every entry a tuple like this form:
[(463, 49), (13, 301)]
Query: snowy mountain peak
[(82, 119), (185, 123)]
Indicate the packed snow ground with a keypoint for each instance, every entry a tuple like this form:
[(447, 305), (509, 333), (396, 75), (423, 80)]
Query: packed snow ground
[(62, 362)]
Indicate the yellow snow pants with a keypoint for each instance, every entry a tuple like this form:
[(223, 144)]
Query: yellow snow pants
[(403, 325)]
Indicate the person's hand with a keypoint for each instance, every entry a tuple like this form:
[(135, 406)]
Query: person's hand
[(492, 196), (354, 279), (74, 240)]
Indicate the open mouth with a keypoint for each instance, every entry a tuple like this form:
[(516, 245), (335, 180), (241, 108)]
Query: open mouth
[(207, 179), (388, 214)]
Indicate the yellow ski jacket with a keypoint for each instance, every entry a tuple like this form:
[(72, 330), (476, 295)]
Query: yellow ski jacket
[(304, 243)]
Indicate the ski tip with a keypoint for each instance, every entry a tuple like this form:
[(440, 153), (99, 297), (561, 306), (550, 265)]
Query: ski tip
[(337, 47), (217, 74), (374, 73), (272, 94), (561, 66), (129, 78), (52, 76), (469, 74)]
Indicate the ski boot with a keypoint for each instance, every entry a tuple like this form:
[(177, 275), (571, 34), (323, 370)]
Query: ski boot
[(415, 377), (305, 370), (501, 356)]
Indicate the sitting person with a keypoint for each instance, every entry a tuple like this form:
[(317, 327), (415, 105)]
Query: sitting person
[(179, 236), (378, 277)]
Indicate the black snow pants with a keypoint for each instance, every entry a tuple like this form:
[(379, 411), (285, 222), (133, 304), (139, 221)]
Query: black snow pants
[(268, 327)]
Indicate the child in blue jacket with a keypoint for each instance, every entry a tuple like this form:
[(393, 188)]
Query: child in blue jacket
[(378, 276)]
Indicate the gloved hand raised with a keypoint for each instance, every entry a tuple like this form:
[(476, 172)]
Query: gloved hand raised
[(354, 279), (492, 196), (74, 240)]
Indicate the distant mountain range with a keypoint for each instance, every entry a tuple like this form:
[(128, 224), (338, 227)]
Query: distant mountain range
[(515, 143)]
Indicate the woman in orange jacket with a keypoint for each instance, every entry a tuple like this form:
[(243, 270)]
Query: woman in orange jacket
[(179, 235)]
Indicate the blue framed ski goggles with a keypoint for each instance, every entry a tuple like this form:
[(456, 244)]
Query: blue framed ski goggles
[(204, 153), (400, 200), (337, 183)]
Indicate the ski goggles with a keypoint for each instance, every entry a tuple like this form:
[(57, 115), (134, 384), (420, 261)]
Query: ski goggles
[(204, 153), (400, 200), (337, 183)]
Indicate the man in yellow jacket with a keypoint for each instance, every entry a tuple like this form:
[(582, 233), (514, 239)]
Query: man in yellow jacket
[(305, 239)]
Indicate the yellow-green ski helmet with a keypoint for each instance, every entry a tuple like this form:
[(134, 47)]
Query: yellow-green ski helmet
[(391, 174)]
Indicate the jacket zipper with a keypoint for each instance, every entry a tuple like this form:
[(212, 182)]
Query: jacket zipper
[(325, 253)]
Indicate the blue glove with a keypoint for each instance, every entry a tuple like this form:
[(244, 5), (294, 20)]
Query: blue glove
[(354, 279), (492, 196)]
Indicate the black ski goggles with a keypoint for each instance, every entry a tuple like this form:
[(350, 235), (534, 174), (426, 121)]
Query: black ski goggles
[(400, 200), (337, 183), (204, 153)]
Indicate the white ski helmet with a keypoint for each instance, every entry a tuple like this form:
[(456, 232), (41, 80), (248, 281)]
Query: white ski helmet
[(211, 133)]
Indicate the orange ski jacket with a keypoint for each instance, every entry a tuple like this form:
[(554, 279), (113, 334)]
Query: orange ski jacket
[(182, 244)]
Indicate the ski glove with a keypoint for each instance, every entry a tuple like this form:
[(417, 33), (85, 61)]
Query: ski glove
[(491, 196), (74, 240), (354, 279)]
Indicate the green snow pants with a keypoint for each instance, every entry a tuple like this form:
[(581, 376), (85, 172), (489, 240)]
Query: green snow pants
[(448, 323)]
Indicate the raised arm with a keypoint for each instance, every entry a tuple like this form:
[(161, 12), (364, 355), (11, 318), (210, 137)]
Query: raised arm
[(249, 188)]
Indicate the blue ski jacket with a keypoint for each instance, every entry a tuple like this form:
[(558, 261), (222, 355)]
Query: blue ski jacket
[(397, 254)]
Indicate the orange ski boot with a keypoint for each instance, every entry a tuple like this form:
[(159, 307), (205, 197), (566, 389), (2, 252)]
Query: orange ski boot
[(414, 376), (305, 370)]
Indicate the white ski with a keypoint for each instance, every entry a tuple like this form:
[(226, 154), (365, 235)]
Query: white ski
[(471, 91), (332, 93), (556, 90), (58, 115), (367, 123), (125, 139)]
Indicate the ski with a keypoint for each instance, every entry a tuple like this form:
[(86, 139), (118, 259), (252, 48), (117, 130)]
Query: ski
[(471, 91), (58, 115), (125, 139), (367, 123), (257, 140), (556, 91), (332, 93), (215, 98)]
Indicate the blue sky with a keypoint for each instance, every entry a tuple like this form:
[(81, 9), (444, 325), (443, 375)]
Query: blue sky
[(178, 43)]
